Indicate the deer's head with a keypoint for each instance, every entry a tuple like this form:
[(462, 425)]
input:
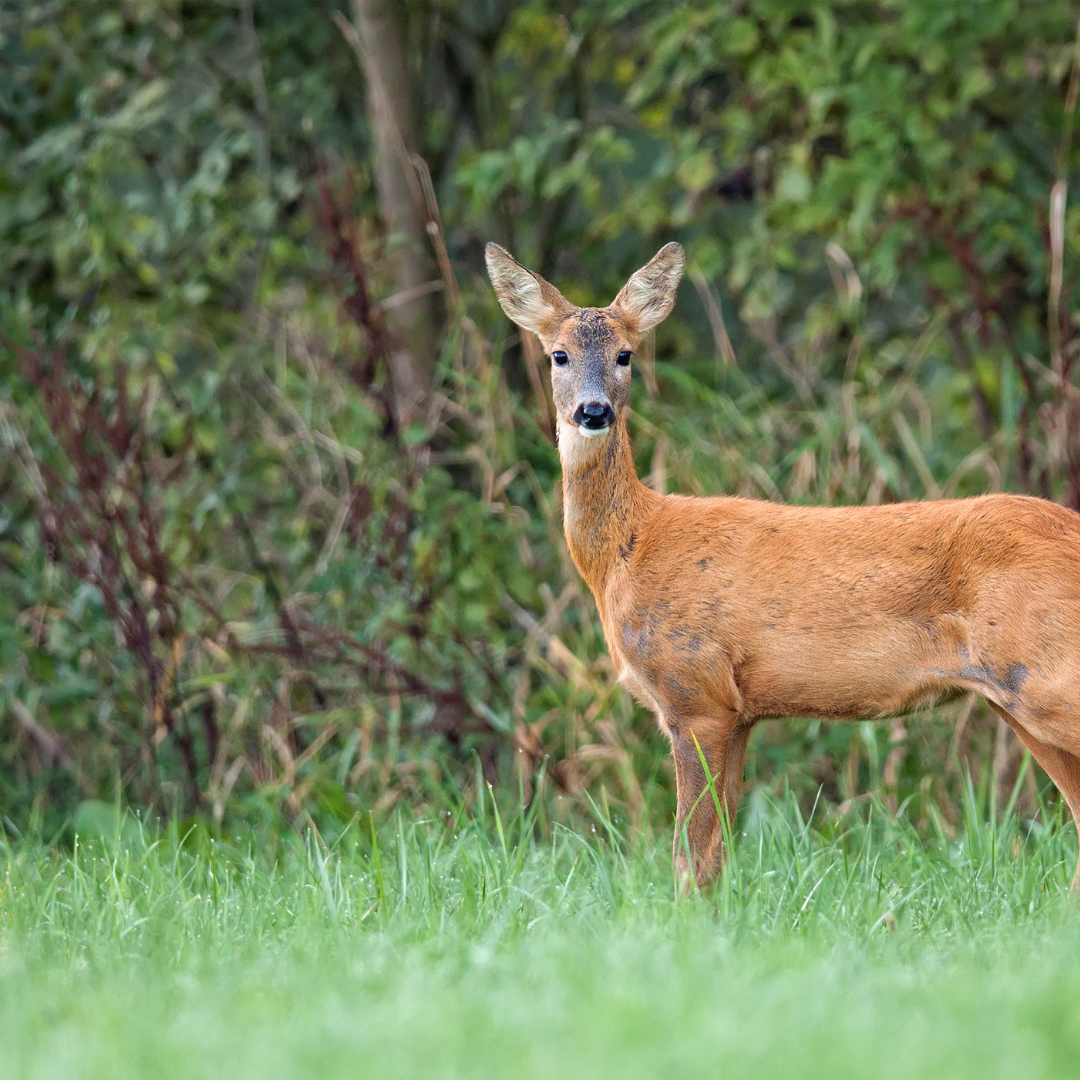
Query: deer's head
[(590, 348)]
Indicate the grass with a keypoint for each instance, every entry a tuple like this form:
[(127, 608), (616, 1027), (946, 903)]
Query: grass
[(505, 946)]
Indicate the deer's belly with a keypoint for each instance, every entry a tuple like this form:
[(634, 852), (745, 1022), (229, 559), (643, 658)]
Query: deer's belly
[(677, 672)]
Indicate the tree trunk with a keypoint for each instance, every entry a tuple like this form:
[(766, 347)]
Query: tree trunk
[(392, 113)]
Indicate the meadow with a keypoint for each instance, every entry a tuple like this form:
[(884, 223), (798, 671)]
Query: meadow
[(277, 636), (501, 944)]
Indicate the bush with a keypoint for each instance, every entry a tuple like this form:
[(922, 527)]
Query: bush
[(229, 585)]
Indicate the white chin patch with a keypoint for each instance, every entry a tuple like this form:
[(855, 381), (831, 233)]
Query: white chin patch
[(592, 433)]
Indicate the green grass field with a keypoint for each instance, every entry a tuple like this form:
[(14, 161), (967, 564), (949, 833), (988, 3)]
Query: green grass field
[(510, 947)]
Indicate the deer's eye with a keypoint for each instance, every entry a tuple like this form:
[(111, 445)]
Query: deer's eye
[(560, 358), (623, 358)]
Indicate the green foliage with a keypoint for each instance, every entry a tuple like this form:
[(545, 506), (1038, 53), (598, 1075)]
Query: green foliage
[(255, 600)]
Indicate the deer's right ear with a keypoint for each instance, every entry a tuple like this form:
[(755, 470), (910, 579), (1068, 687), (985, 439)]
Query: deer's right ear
[(526, 297), (648, 297)]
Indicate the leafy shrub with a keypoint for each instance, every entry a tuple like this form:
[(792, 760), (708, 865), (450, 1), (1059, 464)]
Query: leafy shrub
[(229, 586)]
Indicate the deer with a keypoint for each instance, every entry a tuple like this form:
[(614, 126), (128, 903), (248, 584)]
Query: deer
[(720, 612)]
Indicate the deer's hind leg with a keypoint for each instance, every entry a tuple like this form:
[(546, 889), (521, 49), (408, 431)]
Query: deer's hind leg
[(1060, 765), (699, 833)]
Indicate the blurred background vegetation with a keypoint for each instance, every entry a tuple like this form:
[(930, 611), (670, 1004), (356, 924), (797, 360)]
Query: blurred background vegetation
[(279, 514)]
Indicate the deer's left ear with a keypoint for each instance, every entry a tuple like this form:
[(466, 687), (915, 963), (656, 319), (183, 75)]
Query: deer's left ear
[(648, 297), (533, 303)]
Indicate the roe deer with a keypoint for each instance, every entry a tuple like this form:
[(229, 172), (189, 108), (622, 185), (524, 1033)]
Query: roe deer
[(720, 612)]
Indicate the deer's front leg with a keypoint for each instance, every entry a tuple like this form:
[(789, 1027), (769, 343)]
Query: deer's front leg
[(700, 787)]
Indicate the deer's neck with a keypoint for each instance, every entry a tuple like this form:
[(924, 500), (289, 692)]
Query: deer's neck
[(603, 500)]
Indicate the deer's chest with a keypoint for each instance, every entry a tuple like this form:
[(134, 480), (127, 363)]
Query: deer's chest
[(669, 656)]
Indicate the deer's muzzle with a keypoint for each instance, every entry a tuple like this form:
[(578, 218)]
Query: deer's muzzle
[(594, 418)]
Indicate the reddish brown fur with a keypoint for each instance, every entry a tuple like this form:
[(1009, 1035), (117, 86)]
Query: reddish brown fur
[(722, 612)]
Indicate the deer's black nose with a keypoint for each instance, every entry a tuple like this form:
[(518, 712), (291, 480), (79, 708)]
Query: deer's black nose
[(595, 416)]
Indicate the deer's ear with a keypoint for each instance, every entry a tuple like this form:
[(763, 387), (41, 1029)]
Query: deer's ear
[(526, 297), (648, 297)]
